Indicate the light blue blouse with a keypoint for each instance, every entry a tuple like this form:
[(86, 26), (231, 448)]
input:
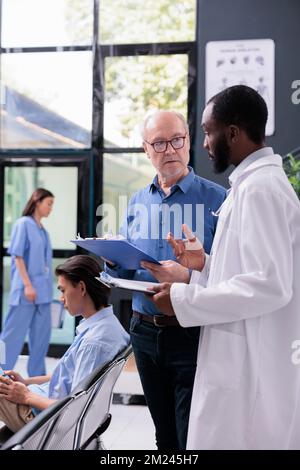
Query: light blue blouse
[(98, 340)]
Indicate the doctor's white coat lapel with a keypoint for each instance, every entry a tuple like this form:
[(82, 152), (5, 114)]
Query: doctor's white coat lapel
[(223, 220)]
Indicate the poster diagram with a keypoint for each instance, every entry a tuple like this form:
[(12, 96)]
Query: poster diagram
[(248, 62)]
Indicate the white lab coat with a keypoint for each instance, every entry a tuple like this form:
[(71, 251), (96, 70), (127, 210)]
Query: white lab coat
[(247, 389)]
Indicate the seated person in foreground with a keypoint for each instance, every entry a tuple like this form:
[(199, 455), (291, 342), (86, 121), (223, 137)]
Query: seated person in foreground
[(99, 338)]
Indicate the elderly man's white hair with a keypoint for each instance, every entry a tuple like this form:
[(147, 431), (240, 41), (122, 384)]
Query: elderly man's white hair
[(153, 114)]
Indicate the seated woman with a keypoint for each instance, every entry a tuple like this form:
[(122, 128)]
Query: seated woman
[(99, 338)]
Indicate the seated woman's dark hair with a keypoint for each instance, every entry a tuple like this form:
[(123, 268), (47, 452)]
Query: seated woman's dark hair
[(85, 268)]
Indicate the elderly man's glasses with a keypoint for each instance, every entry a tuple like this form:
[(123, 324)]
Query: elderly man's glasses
[(160, 146)]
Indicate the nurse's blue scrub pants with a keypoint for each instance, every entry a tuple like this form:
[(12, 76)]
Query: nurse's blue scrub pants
[(36, 320)]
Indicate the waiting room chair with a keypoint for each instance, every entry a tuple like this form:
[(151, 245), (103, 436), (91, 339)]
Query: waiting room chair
[(70, 423), (96, 417), (63, 433), (125, 354), (32, 436)]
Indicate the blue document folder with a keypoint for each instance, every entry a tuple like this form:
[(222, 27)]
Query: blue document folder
[(121, 252)]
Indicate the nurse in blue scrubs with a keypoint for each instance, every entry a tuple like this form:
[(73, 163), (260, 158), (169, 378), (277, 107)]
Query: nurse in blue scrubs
[(30, 294)]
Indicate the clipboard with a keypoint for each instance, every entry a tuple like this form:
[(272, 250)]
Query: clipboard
[(127, 284), (121, 252)]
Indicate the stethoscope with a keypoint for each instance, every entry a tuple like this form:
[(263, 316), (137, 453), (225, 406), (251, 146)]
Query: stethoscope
[(217, 212)]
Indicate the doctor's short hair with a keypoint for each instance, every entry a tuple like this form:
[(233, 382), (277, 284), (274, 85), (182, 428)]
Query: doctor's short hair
[(85, 268), (243, 107), (37, 196)]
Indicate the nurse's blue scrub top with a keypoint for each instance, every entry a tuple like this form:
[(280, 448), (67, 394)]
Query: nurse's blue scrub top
[(32, 242)]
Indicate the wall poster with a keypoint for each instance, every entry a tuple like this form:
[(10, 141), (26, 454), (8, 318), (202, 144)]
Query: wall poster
[(247, 62)]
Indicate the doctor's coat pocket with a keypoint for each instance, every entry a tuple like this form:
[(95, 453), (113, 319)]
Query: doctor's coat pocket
[(225, 359)]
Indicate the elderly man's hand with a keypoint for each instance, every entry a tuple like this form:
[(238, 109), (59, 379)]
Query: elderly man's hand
[(168, 271), (162, 298), (190, 252), (16, 392)]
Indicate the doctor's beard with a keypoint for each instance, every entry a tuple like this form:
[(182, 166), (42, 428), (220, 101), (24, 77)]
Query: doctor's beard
[(221, 155)]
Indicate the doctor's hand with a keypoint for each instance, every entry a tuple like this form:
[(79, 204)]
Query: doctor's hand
[(162, 298), (167, 271), (190, 252), (30, 293)]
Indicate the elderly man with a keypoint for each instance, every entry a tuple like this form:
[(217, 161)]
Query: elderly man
[(165, 352), (247, 294)]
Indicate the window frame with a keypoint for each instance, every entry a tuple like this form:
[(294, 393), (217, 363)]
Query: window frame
[(90, 173)]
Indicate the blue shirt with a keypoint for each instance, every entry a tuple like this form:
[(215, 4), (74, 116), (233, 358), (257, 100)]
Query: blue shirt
[(98, 340), (151, 214), (32, 243)]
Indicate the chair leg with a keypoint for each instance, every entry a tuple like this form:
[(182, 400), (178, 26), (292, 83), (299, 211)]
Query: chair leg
[(100, 444)]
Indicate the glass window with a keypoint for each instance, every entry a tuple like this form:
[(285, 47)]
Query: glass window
[(29, 23), (20, 182), (124, 174), (148, 21), (134, 86), (62, 223), (46, 100)]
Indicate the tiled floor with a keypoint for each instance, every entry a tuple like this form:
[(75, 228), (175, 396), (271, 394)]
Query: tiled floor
[(131, 426)]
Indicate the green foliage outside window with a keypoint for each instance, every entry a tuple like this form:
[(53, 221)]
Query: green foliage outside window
[(292, 169), (135, 85), (143, 83), (136, 21)]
